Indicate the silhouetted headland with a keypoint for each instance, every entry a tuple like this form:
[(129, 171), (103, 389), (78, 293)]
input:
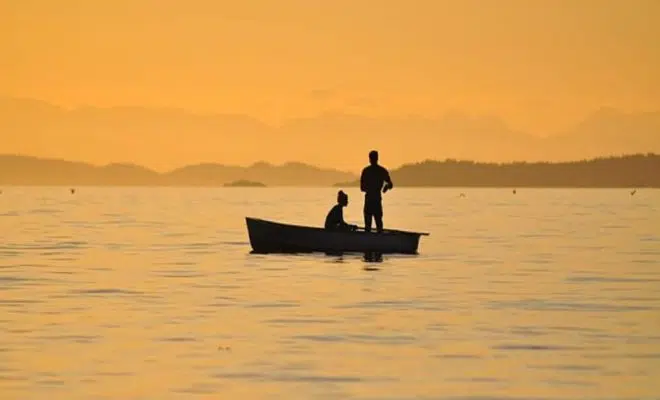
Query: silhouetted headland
[(244, 183), (630, 171)]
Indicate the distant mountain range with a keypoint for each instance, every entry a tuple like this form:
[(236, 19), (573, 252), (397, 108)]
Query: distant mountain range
[(23, 170), (626, 171), (162, 137), (633, 171)]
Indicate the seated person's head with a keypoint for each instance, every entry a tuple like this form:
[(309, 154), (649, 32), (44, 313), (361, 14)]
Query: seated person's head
[(342, 198)]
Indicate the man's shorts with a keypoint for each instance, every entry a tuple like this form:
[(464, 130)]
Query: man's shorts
[(373, 207)]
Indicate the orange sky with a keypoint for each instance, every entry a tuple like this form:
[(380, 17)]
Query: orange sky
[(539, 65)]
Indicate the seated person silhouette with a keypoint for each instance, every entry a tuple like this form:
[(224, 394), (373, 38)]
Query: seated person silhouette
[(335, 219)]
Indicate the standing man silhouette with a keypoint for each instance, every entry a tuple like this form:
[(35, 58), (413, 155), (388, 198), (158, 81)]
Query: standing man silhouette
[(371, 183)]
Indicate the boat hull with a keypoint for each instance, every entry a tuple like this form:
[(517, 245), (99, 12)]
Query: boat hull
[(273, 237)]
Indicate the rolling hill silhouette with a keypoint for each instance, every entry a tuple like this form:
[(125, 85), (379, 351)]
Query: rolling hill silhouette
[(23, 170)]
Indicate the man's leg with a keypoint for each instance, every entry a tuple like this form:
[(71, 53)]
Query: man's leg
[(367, 221), (378, 215), (379, 222)]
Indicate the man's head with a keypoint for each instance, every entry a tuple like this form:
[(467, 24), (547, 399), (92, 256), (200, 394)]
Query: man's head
[(342, 198), (373, 157)]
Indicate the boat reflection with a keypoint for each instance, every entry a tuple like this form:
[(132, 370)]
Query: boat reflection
[(373, 257)]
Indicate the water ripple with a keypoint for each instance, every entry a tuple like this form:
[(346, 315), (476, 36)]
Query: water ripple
[(543, 305), (273, 305), (64, 245), (287, 321), (535, 347), (363, 339), (105, 292), (255, 376)]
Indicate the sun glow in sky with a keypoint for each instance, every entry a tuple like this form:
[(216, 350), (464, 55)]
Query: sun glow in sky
[(540, 66)]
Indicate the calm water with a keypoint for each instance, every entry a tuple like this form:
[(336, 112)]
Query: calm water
[(137, 293)]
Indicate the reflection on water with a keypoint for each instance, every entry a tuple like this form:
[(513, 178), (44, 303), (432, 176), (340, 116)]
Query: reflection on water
[(372, 257), (136, 293), (367, 257)]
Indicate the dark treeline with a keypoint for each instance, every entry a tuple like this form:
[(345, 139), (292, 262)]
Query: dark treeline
[(637, 170)]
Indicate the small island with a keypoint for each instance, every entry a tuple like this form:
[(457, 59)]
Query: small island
[(244, 183)]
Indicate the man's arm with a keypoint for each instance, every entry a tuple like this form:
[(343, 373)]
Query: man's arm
[(363, 186), (388, 181)]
